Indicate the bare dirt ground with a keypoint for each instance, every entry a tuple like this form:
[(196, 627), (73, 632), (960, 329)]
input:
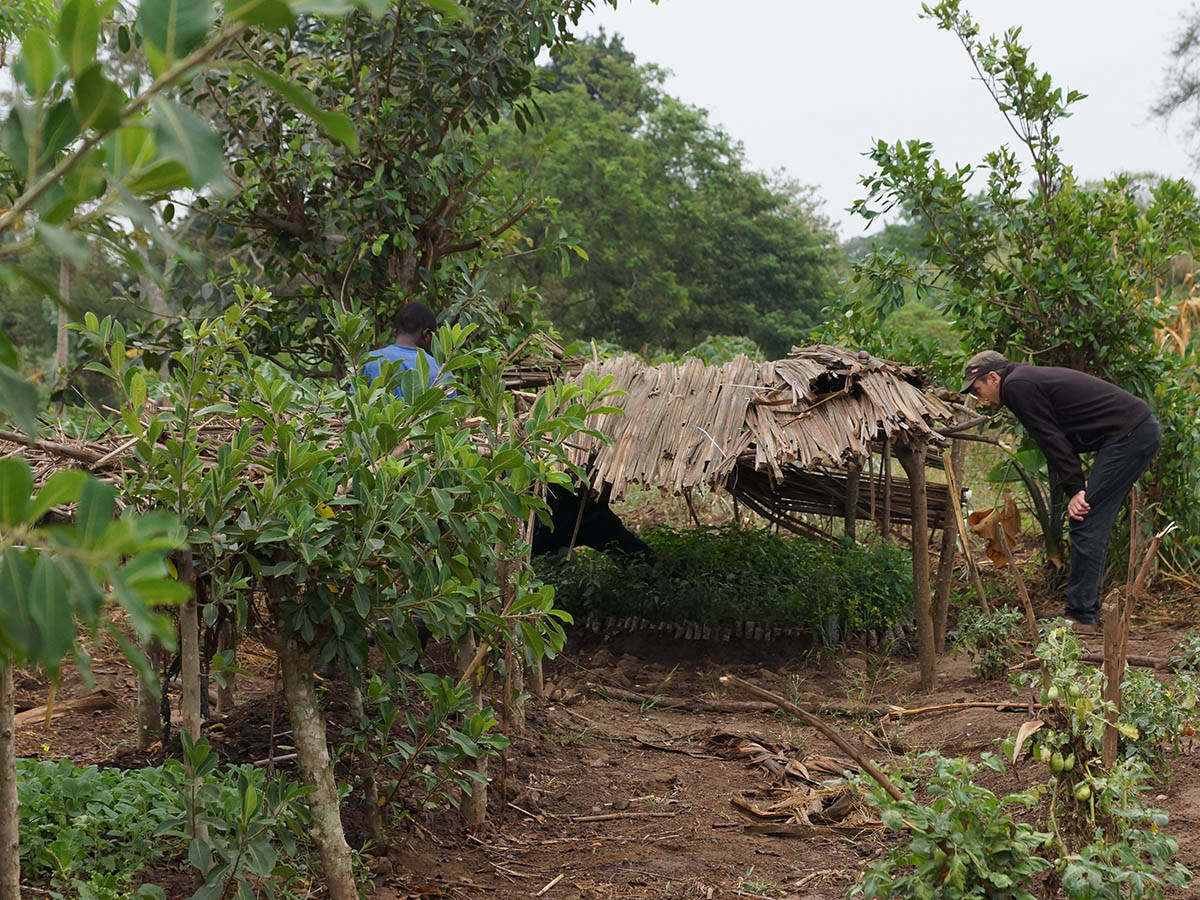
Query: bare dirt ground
[(616, 798)]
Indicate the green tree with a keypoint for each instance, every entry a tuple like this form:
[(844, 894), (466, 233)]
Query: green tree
[(409, 209), (680, 239), (1061, 273)]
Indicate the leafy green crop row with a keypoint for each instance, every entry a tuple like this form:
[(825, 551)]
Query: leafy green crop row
[(88, 832), (724, 575)]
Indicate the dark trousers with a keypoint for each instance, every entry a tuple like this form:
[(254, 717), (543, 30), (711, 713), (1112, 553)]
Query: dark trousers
[(1114, 471)]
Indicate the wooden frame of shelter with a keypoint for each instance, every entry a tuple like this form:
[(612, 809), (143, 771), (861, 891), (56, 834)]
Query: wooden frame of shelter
[(788, 438)]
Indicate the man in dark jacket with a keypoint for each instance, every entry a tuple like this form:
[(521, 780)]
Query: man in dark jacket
[(1069, 413)]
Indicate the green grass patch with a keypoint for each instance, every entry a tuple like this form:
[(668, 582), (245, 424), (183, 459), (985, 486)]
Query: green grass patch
[(725, 575)]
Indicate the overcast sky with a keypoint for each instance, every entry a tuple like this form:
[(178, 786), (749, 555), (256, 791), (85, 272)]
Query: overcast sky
[(807, 86)]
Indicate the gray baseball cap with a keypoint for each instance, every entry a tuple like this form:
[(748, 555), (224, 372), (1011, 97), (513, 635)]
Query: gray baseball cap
[(981, 364)]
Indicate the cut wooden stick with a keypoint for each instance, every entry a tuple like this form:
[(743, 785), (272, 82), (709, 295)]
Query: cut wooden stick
[(557, 878), (608, 817), (688, 704), (1011, 706), (865, 764)]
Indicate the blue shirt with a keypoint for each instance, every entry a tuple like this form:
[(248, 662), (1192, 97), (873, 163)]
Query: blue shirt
[(407, 357)]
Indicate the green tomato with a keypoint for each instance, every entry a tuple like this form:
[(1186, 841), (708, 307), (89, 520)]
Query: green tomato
[(1069, 762), (1052, 693), (1056, 763), (1082, 793), (1075, 691)]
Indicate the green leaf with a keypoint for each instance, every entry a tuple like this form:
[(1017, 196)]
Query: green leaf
[(184, 136), (137, 389), (19, 399), (61, 487), (95, 510), (128, 149), (16, 484), (97, 101), (61, 128), (78, 32), (274, 14), (9, 355), (172, 29), (65, 243), (16, 145), (447, 8), (161, 178), (16, 630), (38, 66), (336, 125), (50, 609)]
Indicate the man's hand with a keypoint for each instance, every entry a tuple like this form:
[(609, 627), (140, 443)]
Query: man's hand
[(1078, 507)]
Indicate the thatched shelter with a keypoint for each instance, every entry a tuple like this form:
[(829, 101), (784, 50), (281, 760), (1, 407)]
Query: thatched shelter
[(789, 438)]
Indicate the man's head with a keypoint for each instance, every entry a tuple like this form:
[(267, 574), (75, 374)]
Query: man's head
[(982, 374), (414, 326)]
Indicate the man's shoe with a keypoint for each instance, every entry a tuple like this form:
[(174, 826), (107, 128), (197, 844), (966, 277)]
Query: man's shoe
[(1065, 620)]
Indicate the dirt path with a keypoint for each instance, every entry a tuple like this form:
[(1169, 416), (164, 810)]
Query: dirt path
[(610, 798)]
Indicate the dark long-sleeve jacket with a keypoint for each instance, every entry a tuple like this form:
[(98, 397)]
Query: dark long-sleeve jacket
[(1069, 413)]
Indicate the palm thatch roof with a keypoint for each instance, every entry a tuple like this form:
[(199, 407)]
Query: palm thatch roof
[(774, 433), (688, 424)]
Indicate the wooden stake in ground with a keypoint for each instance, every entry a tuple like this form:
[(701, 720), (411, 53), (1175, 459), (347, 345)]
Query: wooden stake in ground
[(961, 526), (865, 764), (1023, 592)]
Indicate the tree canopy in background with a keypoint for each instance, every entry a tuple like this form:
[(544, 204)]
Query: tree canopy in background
[(680, 240), (405, 209)]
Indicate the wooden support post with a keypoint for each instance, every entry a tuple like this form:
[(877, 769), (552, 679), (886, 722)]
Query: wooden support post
[(871, 482), (853, 477), (885, 527), (913, 461), (953, 460)]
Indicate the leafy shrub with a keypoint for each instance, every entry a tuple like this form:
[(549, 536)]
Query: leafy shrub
[(965, 843), (1109, 845), (1185, 655), (93, 829), (79, 824), (991, 640), (723, 575)]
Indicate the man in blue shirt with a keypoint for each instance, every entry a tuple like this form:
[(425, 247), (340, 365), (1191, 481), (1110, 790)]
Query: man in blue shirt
[(414, 326)]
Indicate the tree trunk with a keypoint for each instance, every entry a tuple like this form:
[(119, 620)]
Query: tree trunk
[(189, 648), (10, 838), (149, 699), (365, 769), (945, 572), (473, 806), (312, 753), (226, 641), (514, 662), (61, 346), (913, 462)]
